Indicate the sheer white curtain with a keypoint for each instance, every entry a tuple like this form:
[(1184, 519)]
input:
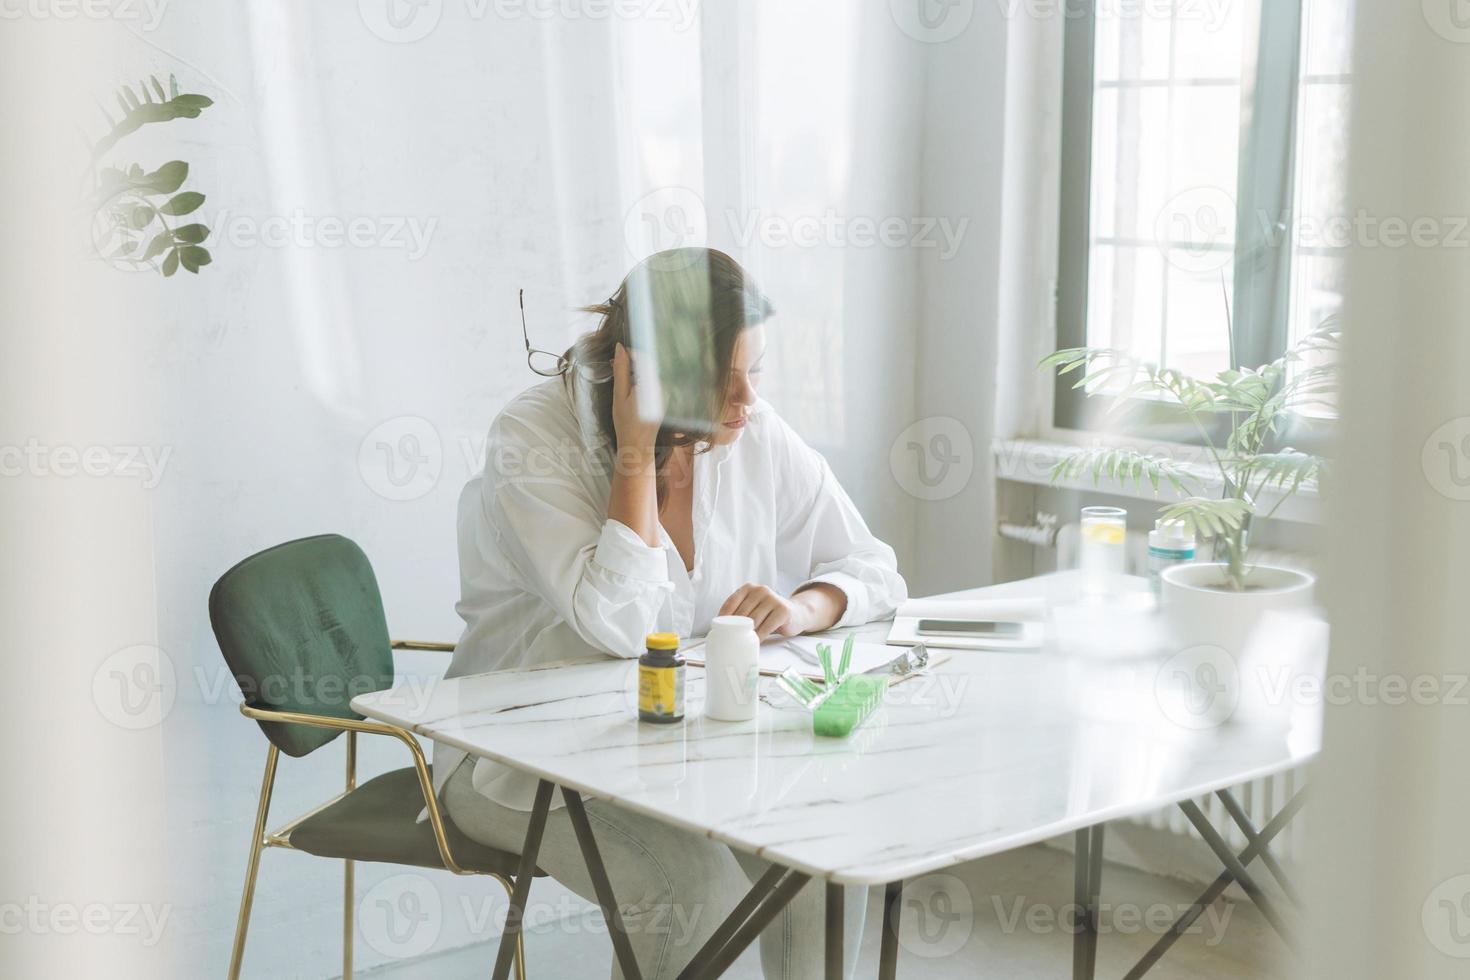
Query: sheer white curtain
[(756, 133), (1390, 851)]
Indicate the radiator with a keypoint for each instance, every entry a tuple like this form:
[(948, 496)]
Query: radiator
[(1261, 798)]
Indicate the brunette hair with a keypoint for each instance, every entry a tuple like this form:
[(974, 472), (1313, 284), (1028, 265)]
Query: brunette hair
[(689, 305)]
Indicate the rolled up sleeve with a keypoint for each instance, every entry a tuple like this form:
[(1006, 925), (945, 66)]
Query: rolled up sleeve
[(599, 576), (622, 552), (859, 607)]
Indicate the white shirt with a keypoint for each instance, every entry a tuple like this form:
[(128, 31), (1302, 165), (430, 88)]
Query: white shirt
[(546, 576)]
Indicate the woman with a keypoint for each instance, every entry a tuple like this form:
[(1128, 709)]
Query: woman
[(596, 526)]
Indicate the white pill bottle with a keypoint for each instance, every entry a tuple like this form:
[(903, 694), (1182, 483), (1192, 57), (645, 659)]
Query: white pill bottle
[(731, 655), (1170, 543)]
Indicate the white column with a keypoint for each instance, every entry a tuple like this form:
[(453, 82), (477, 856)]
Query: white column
[(1390, 841), (84, 873)]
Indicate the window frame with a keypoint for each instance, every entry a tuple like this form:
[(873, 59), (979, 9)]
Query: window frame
[(1261, 292)]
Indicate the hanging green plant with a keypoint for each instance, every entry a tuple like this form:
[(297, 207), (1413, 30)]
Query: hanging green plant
[(134, 210)]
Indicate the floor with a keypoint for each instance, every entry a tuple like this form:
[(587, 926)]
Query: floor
[(1020, 927)]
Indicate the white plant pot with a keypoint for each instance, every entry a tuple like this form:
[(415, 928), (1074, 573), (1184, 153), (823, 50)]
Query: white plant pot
[(1209, 630)]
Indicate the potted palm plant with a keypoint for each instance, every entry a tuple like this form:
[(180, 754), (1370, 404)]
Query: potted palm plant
[(1214, 602)]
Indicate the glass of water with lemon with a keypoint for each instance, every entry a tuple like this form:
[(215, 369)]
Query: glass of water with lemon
[(1100, 554)]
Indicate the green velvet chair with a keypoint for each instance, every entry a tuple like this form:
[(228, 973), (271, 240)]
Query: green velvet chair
[(301, 626)]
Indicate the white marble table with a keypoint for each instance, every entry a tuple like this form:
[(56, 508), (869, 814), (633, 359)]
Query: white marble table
[(991, 752)]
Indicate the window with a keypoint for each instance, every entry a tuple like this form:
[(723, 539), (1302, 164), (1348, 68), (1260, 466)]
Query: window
[(1318, 234), (1201, 160)]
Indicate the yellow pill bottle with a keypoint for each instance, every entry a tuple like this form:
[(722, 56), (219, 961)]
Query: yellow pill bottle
[(661, 680)]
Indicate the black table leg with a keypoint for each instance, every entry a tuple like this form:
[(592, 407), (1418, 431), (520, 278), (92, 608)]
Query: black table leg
[(892, 910), (1181, 925), (767, 897), (766, 900), (835, 931), (600, 884), (741, 913), (1252, 835), (525, 874), (1237, 869), (1079, 903), (1087, 884)]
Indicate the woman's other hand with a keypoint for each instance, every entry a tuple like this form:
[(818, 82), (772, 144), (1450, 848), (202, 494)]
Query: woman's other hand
[(811, 610)]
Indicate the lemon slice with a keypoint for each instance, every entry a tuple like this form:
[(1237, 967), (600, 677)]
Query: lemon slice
[(1103, 533)]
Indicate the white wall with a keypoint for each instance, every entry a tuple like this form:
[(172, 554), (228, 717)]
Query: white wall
[(519, 148)]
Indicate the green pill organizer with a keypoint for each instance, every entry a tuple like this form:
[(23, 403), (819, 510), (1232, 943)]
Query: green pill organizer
[(844, 701)]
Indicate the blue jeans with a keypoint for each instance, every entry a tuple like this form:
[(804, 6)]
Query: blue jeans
[(674, 887)]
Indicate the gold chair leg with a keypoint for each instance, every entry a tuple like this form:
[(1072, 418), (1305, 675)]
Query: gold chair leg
[(347, 920), (252, 868), (520, 957), (347, 870)]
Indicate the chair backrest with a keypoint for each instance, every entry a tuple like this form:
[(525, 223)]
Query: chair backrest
[(301, 626), (466, 516)]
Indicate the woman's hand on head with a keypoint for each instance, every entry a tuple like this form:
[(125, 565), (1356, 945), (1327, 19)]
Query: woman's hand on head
[(771, 612), (633, 432)]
